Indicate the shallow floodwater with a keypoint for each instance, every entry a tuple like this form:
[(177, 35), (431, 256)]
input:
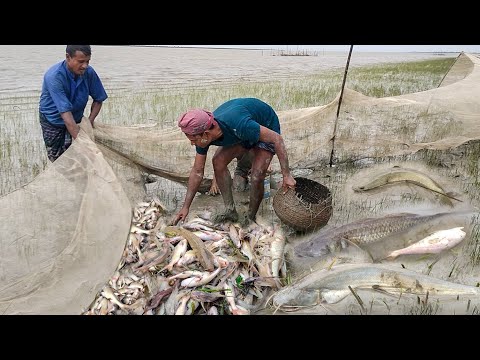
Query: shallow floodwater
[(132, 67)]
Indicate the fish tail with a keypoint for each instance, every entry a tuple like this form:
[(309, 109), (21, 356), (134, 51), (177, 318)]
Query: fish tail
[(445, 200), (445, 196), (451, 195)]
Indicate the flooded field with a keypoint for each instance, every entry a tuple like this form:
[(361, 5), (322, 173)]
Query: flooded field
[(137, 77), (132, 67), (153, 84)]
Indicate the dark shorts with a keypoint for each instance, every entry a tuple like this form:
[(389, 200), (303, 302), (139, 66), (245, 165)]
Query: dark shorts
[(244, 164), (57, 139), (266, 146), (262, 145)]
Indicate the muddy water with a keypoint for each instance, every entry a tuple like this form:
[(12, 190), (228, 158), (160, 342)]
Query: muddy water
[(132, 67)]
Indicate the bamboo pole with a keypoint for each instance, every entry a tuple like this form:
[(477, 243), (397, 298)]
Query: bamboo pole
[(339, 103)]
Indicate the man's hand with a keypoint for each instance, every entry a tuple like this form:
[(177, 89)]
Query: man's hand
[(214, 190), (182, 215), (74, 130), (72, 127), (288, 183)]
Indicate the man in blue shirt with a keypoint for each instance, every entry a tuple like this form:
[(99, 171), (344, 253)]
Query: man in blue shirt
[(236, 127), (65, 91)]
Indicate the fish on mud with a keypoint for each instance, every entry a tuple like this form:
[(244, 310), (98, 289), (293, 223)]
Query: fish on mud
[(332, 286), (398, 175), (360, 232), (432, 244), (277, 249)]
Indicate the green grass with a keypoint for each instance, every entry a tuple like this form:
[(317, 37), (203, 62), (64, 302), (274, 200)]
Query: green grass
[(400, 78), (23, 154), (293, 93), (425, 307)]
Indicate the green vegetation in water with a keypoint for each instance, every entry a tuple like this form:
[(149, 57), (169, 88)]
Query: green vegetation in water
[(424, 307), (475, 310), (475, 244), (284, 94), (400, 78)]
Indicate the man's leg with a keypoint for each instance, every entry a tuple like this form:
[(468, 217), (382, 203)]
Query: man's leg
[(57, 140), (261, 162), (223, 156), (244, 165)]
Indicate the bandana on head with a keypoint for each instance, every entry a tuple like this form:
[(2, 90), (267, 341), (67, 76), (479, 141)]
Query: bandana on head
[(195, 121)]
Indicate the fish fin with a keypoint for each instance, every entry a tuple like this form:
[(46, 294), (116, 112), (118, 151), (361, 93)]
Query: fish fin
[(334, 296), (358, 247), (382, 290), (369, 254), (424, 257), (445, 200), (453, 195), (455, 252), (399, 214), (445, 197)]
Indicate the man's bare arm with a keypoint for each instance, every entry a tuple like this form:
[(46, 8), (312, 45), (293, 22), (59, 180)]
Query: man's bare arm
[(72, 126)]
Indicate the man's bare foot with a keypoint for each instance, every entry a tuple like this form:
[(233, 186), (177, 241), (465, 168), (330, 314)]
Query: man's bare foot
[(245, 221), (227, 215)]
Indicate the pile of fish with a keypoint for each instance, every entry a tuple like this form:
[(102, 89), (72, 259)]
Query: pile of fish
[(193, 269)]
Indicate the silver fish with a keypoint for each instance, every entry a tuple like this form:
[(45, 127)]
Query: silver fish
[(360, 232), (433, 244), (409, 176), (332, 286), (277, 249)]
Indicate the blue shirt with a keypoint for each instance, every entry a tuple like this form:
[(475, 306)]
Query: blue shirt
[(240, 121), (61, 92)]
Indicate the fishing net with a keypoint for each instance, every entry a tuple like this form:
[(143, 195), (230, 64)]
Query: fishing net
[(366, 127), (63, 234)]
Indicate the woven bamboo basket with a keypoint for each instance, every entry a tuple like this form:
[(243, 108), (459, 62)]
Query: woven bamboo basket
[(307, 208)]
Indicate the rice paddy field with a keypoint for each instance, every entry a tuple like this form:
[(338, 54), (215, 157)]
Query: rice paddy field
[(155, 85), (149, 85)]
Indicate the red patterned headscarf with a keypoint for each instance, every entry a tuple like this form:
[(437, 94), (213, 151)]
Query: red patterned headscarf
[(195, 121)]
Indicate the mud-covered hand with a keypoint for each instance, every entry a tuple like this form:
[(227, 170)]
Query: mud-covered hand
[(214, 190), (288, 183), (182, 215)]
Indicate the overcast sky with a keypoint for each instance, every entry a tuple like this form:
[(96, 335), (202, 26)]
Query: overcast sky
[(372, 48)]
